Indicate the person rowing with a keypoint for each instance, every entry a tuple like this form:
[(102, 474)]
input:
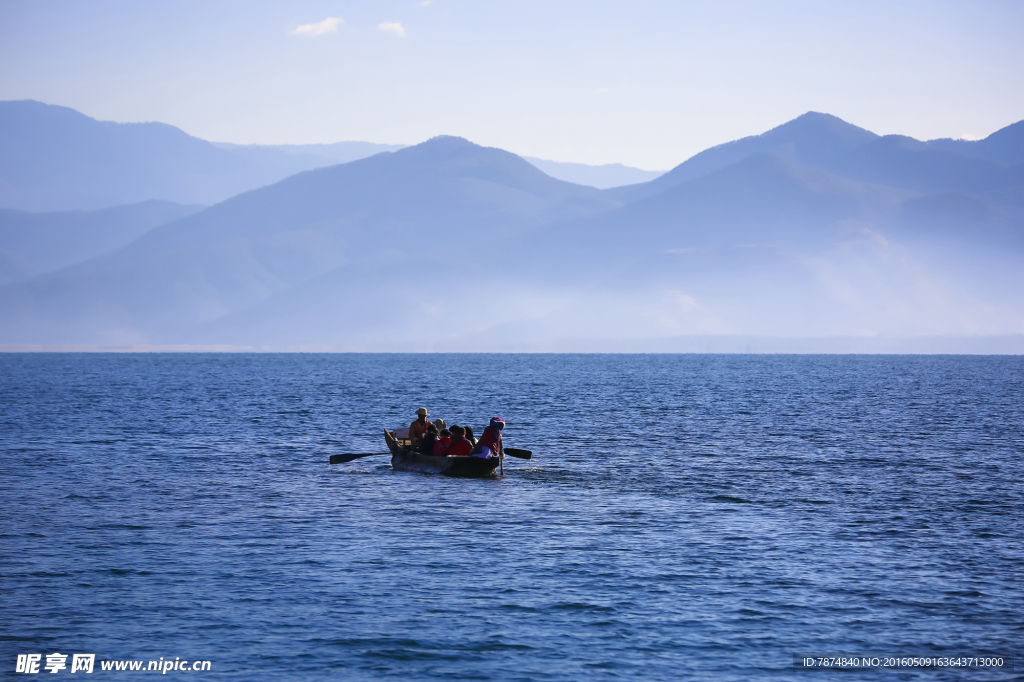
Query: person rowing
[(489, 444)]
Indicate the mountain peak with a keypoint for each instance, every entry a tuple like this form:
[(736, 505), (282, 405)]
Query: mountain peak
[(818, 116), (30, 111), (812, 138), (450, 151), (453, 140), (442, 146), (817, 128)]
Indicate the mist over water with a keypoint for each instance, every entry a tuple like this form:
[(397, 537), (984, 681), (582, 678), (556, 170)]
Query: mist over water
[(683, 517)]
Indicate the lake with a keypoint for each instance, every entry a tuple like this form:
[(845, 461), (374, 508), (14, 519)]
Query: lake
[(701, 517)]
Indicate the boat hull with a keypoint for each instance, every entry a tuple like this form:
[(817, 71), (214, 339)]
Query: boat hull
[(461, 467)]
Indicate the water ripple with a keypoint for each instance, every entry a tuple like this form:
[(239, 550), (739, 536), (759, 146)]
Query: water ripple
[(684, 517)]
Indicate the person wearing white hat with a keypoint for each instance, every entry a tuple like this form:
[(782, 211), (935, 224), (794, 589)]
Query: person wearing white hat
[(418, 428)]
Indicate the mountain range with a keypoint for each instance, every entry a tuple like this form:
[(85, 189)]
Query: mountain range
[(57, 159), (815, 229), (604, 176)]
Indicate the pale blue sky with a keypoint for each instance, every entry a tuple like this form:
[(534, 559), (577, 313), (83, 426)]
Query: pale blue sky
[(644, 82)]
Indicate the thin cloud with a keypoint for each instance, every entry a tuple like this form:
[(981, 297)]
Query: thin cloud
[(602, 91), (328, 25), (396, 27), (427, 3)]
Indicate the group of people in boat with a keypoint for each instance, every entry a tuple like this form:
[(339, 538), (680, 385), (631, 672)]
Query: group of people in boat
[(440, 440)]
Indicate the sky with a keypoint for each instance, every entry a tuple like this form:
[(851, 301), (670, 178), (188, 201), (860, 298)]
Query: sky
[(647, 83)]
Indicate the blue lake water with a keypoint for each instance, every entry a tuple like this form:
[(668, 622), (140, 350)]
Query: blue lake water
[(684, 517)]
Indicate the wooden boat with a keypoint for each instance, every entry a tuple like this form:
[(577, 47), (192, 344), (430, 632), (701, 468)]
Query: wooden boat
[(404, 458)]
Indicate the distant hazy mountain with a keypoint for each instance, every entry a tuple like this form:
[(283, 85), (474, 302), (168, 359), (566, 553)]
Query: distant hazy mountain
[(826, 142), (812, 139), (443, 205), (308, 156), (54, 158), (814, 229), (1005, 145), (765, 246), (318, 155), (603, 177), (761, 199), (768, 247), (36, 243)]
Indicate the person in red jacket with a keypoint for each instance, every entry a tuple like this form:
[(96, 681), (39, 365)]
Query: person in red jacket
[(460, 447), (443, 443), (489, 444)]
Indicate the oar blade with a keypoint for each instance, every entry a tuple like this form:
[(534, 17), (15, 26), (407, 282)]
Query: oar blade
[(349, 456), (518, 452)]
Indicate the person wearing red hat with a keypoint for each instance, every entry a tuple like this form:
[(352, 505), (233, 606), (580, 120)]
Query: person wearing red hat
[(489, 444)]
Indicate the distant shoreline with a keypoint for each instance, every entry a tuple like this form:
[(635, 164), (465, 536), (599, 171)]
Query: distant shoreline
[(1010, 344)]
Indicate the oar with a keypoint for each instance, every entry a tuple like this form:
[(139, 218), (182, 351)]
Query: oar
[(516, 452), (349, 456)]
